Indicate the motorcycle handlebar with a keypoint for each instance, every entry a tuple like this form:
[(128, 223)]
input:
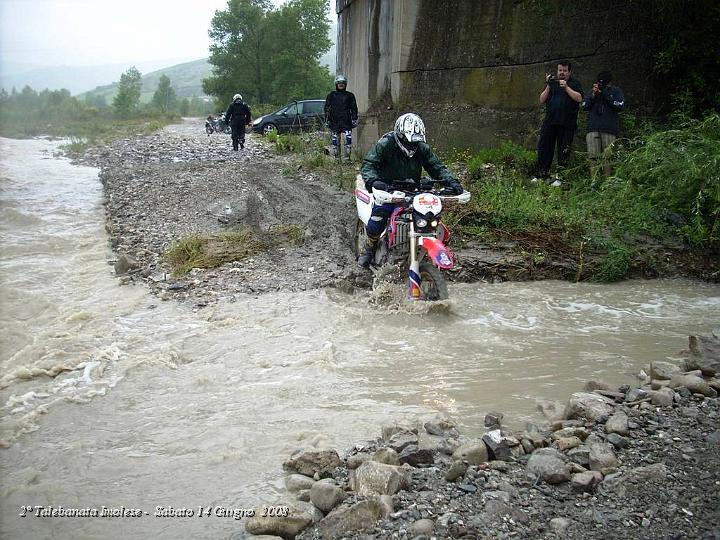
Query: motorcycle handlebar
[(406, 197)]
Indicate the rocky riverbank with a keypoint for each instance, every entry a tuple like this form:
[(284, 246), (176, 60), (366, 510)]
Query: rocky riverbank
[(628, 462), (179, 182)]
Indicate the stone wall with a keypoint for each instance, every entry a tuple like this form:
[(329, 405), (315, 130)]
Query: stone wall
[(474, 69)]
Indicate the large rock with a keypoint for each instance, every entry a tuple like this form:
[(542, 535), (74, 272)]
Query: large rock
[(591, 406), (602, 458), (326, 496), (310, 462), (474, 452), (399, 441), (373, 478), (634, 479), (300, 516), (398, 427), (414, 456), (695, 384), (617, 423), (360, 516), (705, 353), (664, 371), (385, 455), (298, 482), (498, 446), (550, 465)]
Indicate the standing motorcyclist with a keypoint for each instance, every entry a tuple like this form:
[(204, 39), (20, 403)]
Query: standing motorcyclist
[(341, 113), (399, 155), (238, 116)]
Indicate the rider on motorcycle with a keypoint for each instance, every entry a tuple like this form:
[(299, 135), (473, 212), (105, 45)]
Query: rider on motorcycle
[(398, 155)]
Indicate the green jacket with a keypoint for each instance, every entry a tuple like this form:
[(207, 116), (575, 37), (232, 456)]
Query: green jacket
[(387, 162)]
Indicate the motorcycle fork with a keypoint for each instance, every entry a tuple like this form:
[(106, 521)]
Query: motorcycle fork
[(414, 279)]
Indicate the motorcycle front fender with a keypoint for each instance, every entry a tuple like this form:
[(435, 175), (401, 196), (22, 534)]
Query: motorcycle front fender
[(441, 256)]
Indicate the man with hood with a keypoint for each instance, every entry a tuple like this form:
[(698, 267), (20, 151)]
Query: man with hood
[(341, 113), (238, 116)]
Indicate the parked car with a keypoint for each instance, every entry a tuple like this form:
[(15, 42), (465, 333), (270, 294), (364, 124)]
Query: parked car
[(301, 115)]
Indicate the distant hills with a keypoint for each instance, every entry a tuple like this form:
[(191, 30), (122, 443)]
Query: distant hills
[(77, 79), (185, 78)]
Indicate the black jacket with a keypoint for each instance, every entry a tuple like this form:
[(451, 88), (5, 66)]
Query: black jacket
[(603, 110), (238, 114), (387, 162), (341, 110)]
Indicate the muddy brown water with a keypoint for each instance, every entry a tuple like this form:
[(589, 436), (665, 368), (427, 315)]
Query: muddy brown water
[(112, 398)]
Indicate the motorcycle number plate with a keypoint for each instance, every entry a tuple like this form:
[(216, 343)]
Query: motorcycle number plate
[(427, 202)]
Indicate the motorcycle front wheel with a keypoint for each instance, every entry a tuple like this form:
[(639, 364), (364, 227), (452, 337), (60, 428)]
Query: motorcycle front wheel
[(359, 238), (433, 285), (209, 129)]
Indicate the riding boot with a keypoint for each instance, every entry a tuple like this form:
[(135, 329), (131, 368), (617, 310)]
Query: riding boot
[(365, 259)]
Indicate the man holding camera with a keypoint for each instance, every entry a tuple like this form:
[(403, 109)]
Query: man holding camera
[(603, 104), (562, 96)]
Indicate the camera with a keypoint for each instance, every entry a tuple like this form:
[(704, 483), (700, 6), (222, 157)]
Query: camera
[(551, 79)]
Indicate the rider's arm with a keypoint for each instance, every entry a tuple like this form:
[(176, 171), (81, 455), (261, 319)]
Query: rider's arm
[(371, 167), (353, 108), (437, 169), (327, 107)]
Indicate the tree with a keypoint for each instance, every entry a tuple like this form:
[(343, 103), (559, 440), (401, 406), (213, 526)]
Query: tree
[(165, 97), (128, 97), (268, 55), (184, 107)]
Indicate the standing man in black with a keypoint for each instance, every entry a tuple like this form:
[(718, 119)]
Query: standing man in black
[(341, 114), (238, 116), (562, 96)]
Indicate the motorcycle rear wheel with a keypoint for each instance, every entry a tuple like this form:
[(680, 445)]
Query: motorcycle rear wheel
[(433, 285)]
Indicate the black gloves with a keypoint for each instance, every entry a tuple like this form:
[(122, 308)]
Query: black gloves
[(379, 184), (455, 187)]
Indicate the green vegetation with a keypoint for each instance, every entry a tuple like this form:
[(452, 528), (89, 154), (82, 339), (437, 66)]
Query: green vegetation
[(269, 55), (29, 113), (310, 152), (667, 184), (211, 251)]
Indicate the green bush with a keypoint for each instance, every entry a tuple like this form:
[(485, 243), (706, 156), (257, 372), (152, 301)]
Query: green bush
[(508, 154), (678, 170)]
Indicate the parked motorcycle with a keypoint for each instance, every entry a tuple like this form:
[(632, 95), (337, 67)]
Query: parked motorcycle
[(415, 237), (217, 124)]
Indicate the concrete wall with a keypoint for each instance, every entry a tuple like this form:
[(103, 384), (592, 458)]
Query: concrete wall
[(473, 69)]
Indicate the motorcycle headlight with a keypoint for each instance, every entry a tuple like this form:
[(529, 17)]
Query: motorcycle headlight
[(433, 223), (420, 222)]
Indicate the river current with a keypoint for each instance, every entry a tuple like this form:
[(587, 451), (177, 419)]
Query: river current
[(111, 397)]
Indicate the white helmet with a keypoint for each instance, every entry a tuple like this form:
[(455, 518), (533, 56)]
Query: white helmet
[(409, 133), (341, 79), (236, 97)]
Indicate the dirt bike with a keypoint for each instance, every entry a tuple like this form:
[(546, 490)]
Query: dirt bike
[(414, 239), (218, 124)]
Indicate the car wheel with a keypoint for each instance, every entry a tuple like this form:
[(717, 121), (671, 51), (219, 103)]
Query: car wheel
[(268, 128)]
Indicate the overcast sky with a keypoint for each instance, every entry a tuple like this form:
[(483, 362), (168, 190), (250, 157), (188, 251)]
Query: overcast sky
[(94, 32)]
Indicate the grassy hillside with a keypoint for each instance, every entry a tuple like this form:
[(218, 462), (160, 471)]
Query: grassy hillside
[(185, 78)]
